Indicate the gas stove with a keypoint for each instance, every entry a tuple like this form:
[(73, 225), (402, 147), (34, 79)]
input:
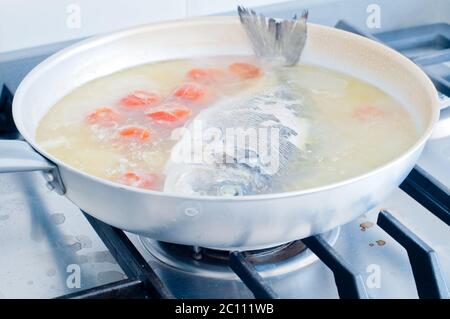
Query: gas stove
[(400, 249)]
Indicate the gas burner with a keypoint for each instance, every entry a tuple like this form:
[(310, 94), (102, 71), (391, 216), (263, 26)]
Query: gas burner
[(273, 261)]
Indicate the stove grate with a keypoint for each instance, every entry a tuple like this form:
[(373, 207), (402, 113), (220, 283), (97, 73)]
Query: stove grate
[(349, 283), (424, 261), (249, 275), (8, 129), (124, 289), (129, 258), (430, 196)]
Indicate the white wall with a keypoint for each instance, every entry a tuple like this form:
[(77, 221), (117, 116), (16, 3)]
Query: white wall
[(28, 23)]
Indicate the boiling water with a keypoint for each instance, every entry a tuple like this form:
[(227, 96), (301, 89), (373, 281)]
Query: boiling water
[(355, 127)]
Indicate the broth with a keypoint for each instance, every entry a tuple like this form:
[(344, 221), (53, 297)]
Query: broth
[(118, 127)]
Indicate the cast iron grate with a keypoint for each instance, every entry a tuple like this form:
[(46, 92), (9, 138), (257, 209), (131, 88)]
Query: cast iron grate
[(8, 129), (424, 261), (142, 282)]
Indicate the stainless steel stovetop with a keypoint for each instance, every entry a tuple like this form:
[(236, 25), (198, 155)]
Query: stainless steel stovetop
[(46, 241)]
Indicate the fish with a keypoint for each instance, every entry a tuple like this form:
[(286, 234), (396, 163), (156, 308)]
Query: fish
[(248, 145)]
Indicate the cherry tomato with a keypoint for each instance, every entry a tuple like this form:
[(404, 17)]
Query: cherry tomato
[(367, 112), (135, 132), (129, 178), (140, 180), (191, 92), (104, 116), (245, 70), (139, 99), (170, 113), (206, 75)]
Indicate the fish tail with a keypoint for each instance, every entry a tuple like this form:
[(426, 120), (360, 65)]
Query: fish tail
[(272, 39)]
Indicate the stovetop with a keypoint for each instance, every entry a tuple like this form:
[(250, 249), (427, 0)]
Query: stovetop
[(397, 250)]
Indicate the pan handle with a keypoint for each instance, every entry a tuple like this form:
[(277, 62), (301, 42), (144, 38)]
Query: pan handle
[(19, 156)]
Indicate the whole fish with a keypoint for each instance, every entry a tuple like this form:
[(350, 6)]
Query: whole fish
[(247, 144)]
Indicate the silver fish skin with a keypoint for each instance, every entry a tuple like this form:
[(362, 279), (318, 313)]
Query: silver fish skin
[(221, 168)]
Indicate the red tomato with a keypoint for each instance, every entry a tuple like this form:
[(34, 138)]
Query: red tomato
[(140, 180), (139, 99), (104, 116), (206, 75), (191, 92), (129, 178), (245, 70), (170, 113), (135, 132), (367, 112)]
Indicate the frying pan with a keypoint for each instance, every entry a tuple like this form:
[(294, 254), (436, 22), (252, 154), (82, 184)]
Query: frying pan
[(238, 223)]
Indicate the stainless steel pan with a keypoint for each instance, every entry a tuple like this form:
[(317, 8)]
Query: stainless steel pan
[(224, 223)]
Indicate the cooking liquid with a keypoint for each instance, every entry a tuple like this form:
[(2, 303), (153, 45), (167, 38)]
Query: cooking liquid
[(355, 127)]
